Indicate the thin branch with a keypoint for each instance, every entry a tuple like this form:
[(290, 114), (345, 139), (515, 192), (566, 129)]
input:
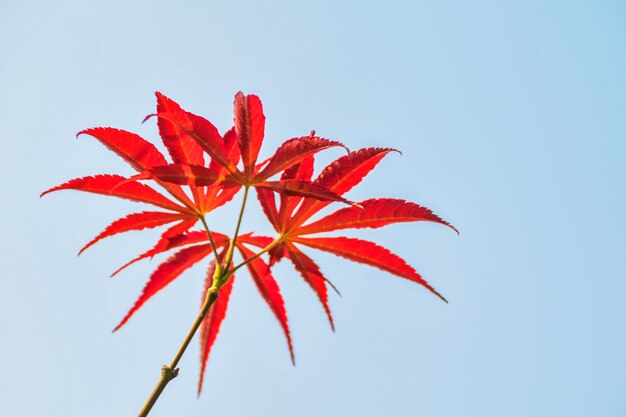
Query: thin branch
[(170, 372)]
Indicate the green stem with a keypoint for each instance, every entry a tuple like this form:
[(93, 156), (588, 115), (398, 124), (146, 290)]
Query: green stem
[(170, 372), (213, 247), (231, 249), (252, 258), (219, 278)]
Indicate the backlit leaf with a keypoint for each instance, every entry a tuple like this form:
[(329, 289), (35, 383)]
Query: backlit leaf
[(267, 286), (373, 213), (118, 186), (367, 253), (250, 127), (340, 176), (167, 272), (292, 152), (136, 221), (312, 275)]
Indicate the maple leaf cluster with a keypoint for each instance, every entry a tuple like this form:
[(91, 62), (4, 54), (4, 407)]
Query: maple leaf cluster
[(207, 170)]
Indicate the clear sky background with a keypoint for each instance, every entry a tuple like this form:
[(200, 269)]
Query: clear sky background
[(511, 120)]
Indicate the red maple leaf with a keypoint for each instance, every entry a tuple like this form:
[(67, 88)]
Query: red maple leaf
[(206, 171), (290, 221), (141, 155), (249, 131)]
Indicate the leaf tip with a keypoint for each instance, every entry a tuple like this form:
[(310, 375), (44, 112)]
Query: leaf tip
[(84, 248), (445, 223), (200, 384), (150, 116), (122, 323), (333, 287), (240, 98), (121, 268), (441, 297), (55, 188)]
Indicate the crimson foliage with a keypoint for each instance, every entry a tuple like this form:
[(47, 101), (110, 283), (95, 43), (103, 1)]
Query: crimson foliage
[(208, 169)]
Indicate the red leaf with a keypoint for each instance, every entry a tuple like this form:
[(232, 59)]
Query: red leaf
[(135, 150), (205, 134), (224, 195), (182, 148), (340, 176), (347, 171), (268, 204), (192, 175), (276, 253), (292, 152), (170, 241), (377, 212), (136, 221), (210, 326), (258, 241), (167, 272), (302, 171), (303, 189), (367, 253), (231, 149), (262, 277), (186, 136), (118, 186), (180, 228), (250, 127), (312, 275), (215, 197), (220, 189)]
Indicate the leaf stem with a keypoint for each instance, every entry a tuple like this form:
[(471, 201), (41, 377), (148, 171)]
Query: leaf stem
[(252, 258), (213, 247), (231, 249)]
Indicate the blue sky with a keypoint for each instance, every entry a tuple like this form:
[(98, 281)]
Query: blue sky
[(510, 117)]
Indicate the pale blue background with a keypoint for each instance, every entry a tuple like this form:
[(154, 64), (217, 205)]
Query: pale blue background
[(511, 117)]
